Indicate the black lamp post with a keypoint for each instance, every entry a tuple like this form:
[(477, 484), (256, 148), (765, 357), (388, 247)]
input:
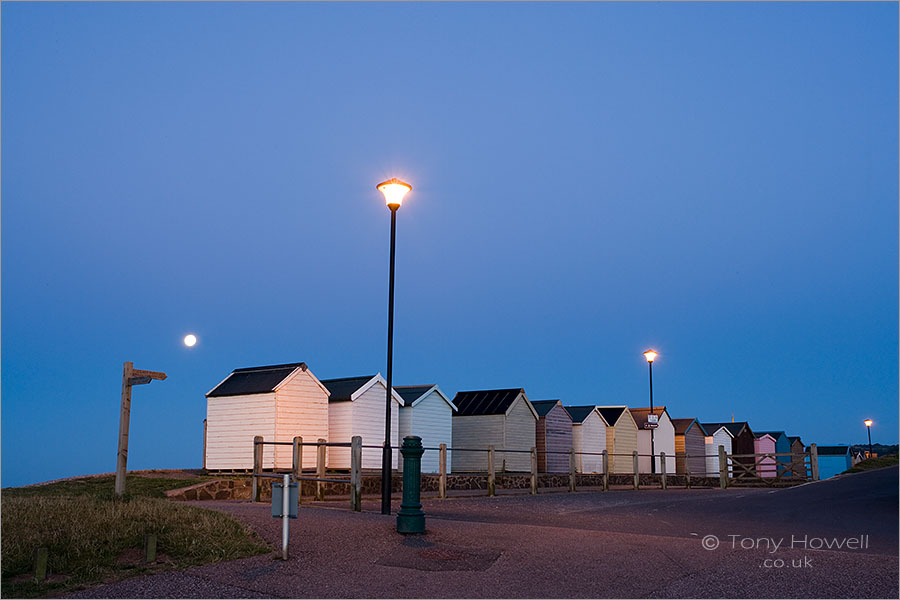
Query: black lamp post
[(393, 190), (650, 355), (868, 423)]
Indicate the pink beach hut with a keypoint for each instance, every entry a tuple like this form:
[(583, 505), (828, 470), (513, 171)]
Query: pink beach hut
[(765, 444)]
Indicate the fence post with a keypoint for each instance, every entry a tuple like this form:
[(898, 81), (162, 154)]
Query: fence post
[(40, 564), (662, 470), (150, 547), (687, 471), (257, 466), (320, 469), (571, 469), (814, 462), (637, 477), (534, 480), (356, 473), (442, 467), (490, 470), (605, 471), (297, 460), (723, 468)]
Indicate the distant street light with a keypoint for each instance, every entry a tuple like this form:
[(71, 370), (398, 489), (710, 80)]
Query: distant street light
[(394, 190), (868, 423), (651, 355)]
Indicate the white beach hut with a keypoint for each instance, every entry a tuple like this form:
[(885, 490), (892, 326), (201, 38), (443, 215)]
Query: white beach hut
[(588, 438), (427, 413), (356, 407), (276, 402)]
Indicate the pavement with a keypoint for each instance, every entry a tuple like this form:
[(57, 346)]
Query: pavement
[(708, 543)]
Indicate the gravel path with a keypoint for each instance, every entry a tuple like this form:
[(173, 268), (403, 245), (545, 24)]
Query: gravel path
[(585, 545)]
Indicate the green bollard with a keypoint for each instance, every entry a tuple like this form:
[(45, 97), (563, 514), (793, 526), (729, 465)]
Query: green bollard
[(411, 519)]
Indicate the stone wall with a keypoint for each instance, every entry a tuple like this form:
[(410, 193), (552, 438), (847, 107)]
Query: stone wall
[(239, 488)]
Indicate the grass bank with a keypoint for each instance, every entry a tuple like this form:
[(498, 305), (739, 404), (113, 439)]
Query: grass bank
[(94, 536), (874, 463)]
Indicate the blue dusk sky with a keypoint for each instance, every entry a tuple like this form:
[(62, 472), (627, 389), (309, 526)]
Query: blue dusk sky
[(717, 181)]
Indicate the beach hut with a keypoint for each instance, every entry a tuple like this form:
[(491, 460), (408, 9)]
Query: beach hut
[(504, 419), (833, 460), (588, 438), (743, 444), (782, 446), (798, 458), (663, 437), (621, 438), (690, 447), (553, 435), (356, 407), (427, 413), (717, 434), (764, 444), (276, 402)]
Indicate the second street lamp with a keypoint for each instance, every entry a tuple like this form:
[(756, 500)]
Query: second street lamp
[(868, 423), (394, 190), (650, 355)]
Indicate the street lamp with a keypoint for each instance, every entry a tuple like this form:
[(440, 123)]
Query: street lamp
[(868, 423), (651, 355), (394, 190)]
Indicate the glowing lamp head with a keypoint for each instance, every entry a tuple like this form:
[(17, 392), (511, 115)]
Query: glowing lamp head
[(868, 422), (394, 190), (650, 355)]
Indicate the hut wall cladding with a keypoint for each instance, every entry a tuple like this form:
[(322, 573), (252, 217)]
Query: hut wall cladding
[(301, 407), (624, 442), (690, 450), (589, 436), (231, 424), (765, 466), (797, 452), (476, 432), (554, 433), (363, 417), (519, 434), (719, 438), (745, 443), (432, 420)]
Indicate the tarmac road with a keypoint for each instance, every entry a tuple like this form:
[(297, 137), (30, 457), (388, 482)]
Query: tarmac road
[(618, 544)]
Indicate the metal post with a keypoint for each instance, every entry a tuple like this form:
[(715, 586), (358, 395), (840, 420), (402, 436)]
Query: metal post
[(386, 451), (442, 466), (571, 469), (534, 479), (490, 471), (814, 461), (869, 429), (257, 467), (637, 477), (356, 473), (662, 470), (652, 431), (410, 518), (605, 471), (285, 514), (320, 469), (723, 468)]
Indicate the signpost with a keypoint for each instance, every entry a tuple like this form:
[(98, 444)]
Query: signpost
[(285, 500), (130, 377)]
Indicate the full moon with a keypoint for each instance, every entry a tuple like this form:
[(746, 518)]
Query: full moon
[(190, 339)]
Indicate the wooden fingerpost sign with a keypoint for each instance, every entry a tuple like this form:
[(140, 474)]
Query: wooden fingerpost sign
[(130, 377)]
